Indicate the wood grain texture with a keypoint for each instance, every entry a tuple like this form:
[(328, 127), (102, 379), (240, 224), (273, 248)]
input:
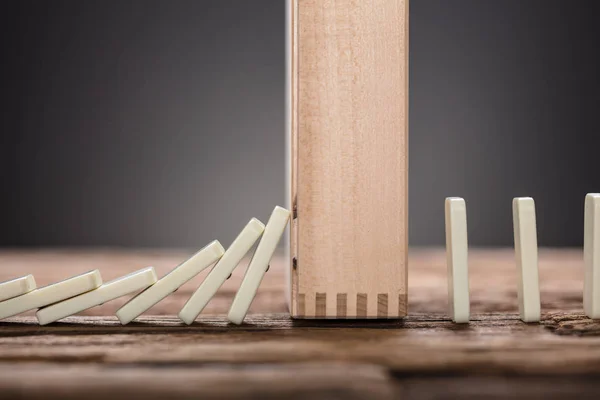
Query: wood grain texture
[(349, 147), (272, 356), (382, 305), (342, 305)]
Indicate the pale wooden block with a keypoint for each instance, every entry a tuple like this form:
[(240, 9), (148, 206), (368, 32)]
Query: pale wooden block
[(203, 259), (258, 265), (591, 256), (347, 120), (221, 272), (526, 251), (114, 289), (457, 259), (16, 287), (51, 294)]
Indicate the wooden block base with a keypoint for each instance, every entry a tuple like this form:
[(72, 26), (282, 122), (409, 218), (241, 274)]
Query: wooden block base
[(350, 306)]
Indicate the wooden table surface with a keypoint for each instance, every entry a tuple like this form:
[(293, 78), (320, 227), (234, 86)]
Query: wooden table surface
[(272, 356)]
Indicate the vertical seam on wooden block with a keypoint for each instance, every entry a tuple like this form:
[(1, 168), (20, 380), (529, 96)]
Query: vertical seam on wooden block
[(301, 305), (342, 305), (361, 305), (382, 305), (402, 300), (294, 151), (321, 305)]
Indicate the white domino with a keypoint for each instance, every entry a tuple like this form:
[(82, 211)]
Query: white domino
[(457, 259), (219, 274), (16, 287), (170, 282), (258, 265), (526, 251), (114, 289), (591, 257), (51, 294)]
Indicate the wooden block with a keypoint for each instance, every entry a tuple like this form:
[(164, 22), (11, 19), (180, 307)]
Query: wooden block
[(114, 289), (219, 274), (51, 294), (526, 250), (258, 265), (457, 251), (348, 151), (16, 287), (591, 256), (169, 283)]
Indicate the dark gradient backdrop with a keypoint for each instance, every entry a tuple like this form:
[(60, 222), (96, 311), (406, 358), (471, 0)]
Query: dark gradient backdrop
[(161, 123)]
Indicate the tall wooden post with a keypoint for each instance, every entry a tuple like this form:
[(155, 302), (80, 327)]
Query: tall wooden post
[(348, 157)]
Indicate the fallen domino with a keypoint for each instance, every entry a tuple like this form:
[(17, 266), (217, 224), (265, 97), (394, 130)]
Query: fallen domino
[(114, 289), (258, 265), (526, 251), (457, 259), (16, 287), (50, 294), (591, 256), (220, 272), (203, 259)]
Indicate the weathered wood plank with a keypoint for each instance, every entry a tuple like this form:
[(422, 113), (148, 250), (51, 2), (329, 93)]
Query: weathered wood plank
[(489, 345), (271, 355), (274, 381)]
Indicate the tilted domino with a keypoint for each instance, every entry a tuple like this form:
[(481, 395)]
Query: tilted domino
[(220, 272), (16, 287), (591, 256), (457, 259), (114, 289), (526, 251), (51, 294), (258, 265), (170, 282)]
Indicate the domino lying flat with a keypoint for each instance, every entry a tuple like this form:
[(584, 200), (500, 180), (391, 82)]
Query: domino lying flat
[(51, 294), (591, 257), (457, 259), (526, 251), (170, 282), (114, 289), (258, 265), (219, 274), (16, 287)]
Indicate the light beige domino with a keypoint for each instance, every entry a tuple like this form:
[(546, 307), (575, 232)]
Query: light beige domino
[(114, 289), (259, 264), (221, 272), (591, 256), (51, 294), (16, 287), (457, 251), (169, 283), (526, 252)]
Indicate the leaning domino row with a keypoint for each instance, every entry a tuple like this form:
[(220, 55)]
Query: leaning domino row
[(526, 250), (85, 291)]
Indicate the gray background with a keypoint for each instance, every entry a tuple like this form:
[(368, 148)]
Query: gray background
[(161, 123)]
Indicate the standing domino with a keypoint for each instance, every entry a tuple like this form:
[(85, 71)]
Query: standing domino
[(170, 282), (16, 287), (591, 256), (219, 274), (114, 289), (51, 294), (258, 265), (457, 259), (526, 250)]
